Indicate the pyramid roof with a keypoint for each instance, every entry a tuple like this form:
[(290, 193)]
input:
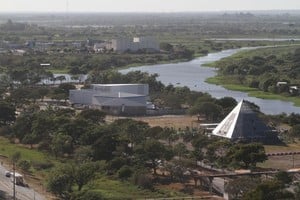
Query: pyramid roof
[(242, 123)]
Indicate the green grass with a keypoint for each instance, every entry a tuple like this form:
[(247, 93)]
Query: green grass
[(115, 189), (8, 149)]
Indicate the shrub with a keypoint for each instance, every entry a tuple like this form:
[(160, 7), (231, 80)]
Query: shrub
[(24, 165), (125, 172), (42, 165), (142, 180), (90, 195)]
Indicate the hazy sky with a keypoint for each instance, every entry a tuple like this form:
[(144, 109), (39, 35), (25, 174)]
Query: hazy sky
[(144, 5)]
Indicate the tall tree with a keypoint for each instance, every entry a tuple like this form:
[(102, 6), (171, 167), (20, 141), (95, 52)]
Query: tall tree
[(7, 113), (153, 152), (248, 154)]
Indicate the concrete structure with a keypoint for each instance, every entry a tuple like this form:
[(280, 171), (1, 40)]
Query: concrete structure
[(242, 123), (135, 44), (118, 99)]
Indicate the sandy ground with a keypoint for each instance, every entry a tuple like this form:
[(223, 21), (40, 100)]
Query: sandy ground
[(282, 162), (175, 121)]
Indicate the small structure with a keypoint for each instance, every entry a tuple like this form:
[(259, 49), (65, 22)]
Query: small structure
[(117, 99), (242, 123)]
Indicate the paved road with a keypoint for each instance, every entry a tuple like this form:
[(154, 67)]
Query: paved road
[(22, 193)]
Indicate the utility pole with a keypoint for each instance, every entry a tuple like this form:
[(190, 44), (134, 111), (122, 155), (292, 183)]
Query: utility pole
[(14, 180)]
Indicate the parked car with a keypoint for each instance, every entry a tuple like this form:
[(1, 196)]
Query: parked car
[(7, 173)]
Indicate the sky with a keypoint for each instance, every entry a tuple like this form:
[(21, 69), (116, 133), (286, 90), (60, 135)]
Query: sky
[(144, 5)]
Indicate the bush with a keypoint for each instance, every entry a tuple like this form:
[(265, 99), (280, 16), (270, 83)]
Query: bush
[(142, 180), (125, 172), (24, 165), (5, 130), (42, 165), (90, 195), (116, 163)]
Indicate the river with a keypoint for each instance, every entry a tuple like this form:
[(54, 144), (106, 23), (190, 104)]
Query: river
[(193, 75)]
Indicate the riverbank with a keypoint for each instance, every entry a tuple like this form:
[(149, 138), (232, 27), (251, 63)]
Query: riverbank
[(253, 92), (193, 74), (246, 59)]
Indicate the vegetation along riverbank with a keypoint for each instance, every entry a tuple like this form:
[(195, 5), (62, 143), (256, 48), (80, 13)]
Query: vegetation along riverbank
[(268, 73)]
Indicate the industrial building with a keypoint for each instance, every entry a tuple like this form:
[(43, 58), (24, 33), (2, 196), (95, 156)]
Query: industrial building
[(133, 44), (117, 99)]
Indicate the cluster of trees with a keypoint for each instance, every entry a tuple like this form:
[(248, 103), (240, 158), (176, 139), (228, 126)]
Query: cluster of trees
[(265, 71), (177, 52), (292, 120), (248, 188), (82, 63), (125, 149), (223, 153)]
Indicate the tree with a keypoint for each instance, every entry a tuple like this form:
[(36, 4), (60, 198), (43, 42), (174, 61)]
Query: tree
[(180, 150), (104, 147), (268, 190), (61, 144), (60, 181), (211, 110), (283, 177), (237, 188), (24, 165), (125, 172), (7, 113), (200, 144), (248, 154), (83, 173), (295, 130), (152, 151), (94, 115)]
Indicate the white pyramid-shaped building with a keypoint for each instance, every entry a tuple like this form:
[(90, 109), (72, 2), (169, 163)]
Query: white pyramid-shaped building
[(242, 123)]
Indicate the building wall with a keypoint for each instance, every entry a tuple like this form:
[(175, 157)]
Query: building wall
[(110, 89), (81, 97), (133, 44)]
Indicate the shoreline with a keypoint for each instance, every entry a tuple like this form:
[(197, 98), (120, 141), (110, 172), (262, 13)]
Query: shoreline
[(253, 92)]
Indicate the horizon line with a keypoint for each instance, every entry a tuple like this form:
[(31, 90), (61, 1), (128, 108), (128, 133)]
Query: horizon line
[(148, 12)]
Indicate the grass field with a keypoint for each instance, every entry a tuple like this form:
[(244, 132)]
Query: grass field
[(7, 149), (115, 189)]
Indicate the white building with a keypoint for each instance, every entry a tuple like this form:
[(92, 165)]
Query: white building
[(123, 99), (133, 44)]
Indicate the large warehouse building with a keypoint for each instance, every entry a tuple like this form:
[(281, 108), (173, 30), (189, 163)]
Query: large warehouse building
[(118, 99)]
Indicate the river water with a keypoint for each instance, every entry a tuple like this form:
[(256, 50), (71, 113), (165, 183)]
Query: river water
[(193, 75)]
